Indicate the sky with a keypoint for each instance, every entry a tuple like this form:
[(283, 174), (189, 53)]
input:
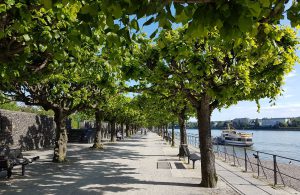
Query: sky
[(286, 106)]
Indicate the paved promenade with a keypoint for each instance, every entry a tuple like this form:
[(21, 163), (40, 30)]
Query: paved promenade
[(143, 164)]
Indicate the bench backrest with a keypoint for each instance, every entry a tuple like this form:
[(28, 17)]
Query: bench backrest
[(186, 151), (4, 164), (6, 152)]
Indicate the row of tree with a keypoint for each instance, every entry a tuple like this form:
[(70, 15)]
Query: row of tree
[(70, 56)]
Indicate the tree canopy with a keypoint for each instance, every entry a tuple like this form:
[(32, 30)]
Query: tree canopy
[(213, 72), (70, 55)]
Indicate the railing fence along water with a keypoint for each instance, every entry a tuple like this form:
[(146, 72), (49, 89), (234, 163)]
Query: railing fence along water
[(278, 170)]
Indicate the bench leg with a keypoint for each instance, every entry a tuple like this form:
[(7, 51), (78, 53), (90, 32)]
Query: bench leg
[(9, 173), (193, 164), (23, 170)]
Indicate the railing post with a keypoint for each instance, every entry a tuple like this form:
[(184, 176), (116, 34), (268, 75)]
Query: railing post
[(246, 166), (233, 152), (257, 163), (275, 170), (225, 152)]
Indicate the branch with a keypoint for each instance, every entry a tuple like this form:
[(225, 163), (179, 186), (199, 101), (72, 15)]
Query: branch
[(41, 66), (191, 97)]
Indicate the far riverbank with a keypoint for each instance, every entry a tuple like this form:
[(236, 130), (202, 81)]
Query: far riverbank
[(267, 129)]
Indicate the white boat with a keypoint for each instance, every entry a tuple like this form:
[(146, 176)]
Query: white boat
[(235, 138)]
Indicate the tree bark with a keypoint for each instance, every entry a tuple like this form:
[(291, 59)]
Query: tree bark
[(113, 131), (173, 141), (107, 130), (127, 130), (166, 132), (122, 130), (182, 126), (60, 147), (208, 170), (98, 135)]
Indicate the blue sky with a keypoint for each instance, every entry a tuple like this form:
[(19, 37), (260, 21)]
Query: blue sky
[(287, 105)]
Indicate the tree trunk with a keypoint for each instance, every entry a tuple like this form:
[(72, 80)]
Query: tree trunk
[(107, 130), (113, 131), (60, 148), (98, 135), (208, 170), (182, 126), (122, 130), (173, 141), (127, 130), (166, 131)]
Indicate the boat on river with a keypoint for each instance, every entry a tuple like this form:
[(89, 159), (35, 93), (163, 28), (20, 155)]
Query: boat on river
[(234, 138)]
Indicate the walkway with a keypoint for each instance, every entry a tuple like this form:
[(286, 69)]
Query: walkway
[(245, 183), (139, 165)]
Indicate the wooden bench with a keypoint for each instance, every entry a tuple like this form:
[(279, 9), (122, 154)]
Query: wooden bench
[(9, 158), (193, 157)]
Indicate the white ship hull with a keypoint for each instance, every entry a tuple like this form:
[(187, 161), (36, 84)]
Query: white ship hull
[(234, 138), (238, 143)]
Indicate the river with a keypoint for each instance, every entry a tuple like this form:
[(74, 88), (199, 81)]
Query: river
[(283, 143)]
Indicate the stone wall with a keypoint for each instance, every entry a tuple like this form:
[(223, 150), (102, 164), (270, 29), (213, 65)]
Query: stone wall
[(26, 130)]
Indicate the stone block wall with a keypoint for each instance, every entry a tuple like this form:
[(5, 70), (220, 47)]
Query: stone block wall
[(26, 130)]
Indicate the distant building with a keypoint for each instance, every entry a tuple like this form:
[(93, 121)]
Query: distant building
[(219, 124), (214, 124), (271, 122), (241, 122), (255, 122)]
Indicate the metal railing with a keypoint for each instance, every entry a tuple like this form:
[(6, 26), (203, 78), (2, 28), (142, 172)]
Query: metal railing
[(276, 169), (272, 167)]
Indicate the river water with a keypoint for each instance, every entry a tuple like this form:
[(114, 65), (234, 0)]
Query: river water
[(283, 143)]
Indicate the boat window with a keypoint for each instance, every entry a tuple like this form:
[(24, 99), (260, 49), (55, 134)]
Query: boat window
[(239, 139), (227, 138), (249, 140)]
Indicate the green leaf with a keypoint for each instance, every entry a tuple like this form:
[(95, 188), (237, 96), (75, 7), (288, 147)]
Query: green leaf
[(117, 10), (255, 8), (153, 34), (42, 47), (47, 4), (2, 8), (135, 25), (10, 2), (245, 23), (265, 3), (88, 9), (148, 22), (26, 37)]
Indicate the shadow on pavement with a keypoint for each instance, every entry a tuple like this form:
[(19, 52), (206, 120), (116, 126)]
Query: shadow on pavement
[(87, 171)]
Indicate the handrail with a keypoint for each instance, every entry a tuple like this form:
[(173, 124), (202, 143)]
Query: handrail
[(194, 140)]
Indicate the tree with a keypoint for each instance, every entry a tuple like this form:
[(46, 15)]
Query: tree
[(214, 72), (64, 93)]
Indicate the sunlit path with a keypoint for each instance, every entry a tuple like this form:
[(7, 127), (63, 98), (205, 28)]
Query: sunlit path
[(126, 167)]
